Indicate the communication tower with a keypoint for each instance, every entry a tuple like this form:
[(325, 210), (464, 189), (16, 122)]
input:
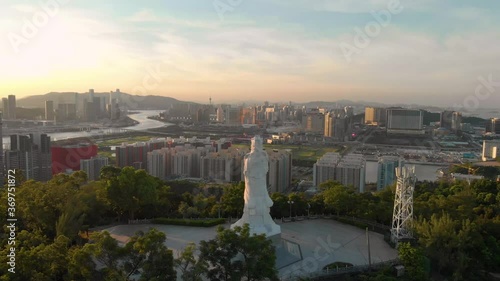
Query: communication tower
[(402, 217)]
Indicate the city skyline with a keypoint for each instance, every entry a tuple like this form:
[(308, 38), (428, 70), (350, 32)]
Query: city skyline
[(426, 53)]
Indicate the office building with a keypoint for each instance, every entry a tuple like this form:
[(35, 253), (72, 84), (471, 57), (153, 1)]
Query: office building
[(233, 116), (405, 121), (493, 126), (375, 116), (49, 110), (349, 170), (92, 108), (12, 107), (456, 121), (445, 119), (66, 112), (386, 173), (93, 166), (491, 149), (314, 122), (336, 126), (66, 155), (451, 120)]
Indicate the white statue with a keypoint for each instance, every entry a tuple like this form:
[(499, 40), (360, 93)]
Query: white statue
[(257, 200)]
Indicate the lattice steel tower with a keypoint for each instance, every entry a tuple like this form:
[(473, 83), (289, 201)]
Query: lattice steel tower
[(402, 217)]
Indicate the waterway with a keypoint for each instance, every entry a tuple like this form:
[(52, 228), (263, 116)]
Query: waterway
[(140, 116)]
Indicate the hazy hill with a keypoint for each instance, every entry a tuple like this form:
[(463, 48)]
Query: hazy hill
[(132, 101)]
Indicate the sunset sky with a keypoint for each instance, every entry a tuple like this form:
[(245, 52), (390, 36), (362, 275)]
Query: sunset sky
[(430, 52)]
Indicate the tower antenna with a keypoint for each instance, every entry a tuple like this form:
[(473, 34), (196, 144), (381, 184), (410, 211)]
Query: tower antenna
[(402, 218)]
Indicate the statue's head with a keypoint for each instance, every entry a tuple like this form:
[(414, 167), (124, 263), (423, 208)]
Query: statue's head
[(256, 143)]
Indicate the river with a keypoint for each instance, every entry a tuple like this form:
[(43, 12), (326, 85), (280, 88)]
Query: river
[(140, 116)]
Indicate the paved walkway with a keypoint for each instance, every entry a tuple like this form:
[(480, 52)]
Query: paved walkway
[(321, 241)]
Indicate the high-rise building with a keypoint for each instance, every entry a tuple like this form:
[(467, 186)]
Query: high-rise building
[(92, 108), (20, 155), (314, 122), (451, 120), (66, 112), (445, 119), (405, 121), (31, 155), (12, 107), (157, 163), (220, 114), (5, 105), (336, 126), (134, 155), (43, 157), (491, 150), (233, 116), (493, 126), (349, 170), (375, 116), (386, 173), (49, 110), (279, 175), (456, 121), (93, 166), (224, 165)]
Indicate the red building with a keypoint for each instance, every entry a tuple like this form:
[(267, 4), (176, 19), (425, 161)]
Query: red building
[(67, 156)]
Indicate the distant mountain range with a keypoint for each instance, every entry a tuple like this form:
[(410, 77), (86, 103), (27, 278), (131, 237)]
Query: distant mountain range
[(131, 101)]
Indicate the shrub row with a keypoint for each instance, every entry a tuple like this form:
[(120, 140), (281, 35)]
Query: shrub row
[(189, 222)]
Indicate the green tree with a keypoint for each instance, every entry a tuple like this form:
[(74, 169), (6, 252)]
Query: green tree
[(337, 197), (144, 254), (280, 205), (414, 262), (147, 253), (236, 255), (190, 267), (232, 199), (132, 189)]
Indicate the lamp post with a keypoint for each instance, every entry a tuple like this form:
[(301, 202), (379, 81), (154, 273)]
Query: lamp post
[(308, 208), (290, 202)]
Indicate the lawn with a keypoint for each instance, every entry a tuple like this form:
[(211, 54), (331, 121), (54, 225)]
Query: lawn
[(299, 152), (119, 141)]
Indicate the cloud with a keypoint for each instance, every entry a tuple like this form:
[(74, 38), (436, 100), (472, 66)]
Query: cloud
[(251, 57)]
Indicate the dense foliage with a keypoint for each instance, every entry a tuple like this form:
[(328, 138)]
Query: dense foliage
[(457, 227), (54, 239)]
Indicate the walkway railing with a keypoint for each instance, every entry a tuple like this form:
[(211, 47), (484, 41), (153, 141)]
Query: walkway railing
[(318, 275)]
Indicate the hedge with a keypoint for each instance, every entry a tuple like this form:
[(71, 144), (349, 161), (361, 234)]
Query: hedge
[(189, 222)]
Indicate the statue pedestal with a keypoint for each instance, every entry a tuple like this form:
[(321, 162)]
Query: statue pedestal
[(259, 223)]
